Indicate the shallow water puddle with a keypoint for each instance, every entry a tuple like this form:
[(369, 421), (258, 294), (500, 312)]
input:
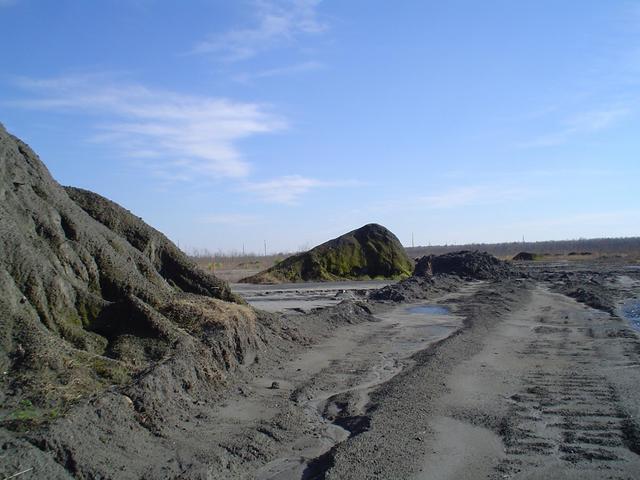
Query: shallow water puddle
[(429, 310), (631, 312)]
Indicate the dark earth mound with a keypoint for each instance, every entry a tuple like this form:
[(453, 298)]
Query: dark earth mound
[(94, 297), (443, 272), (524, 257), (370, 252), (591, 287), (465, 264)]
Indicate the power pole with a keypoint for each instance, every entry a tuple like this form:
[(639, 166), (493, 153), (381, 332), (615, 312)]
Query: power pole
[(412, 244), (243, 250), (265, 248)]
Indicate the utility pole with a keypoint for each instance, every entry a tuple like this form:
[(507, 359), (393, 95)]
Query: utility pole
[(412, 244), (265, 248), (243, 250)]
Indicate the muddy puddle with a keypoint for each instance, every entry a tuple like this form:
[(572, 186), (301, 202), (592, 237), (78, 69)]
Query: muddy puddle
[(631, 312), (429, 310), (335, 401)]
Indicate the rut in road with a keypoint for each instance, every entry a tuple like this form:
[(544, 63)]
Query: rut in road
[(569, 410)]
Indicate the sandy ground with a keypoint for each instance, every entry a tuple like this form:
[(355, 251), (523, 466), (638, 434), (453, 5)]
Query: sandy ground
[(548, 368), (548, 390), (322, 393), (518, 381)]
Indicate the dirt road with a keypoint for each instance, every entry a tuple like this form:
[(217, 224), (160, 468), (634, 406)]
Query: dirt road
[(306, 406), (548, 390)]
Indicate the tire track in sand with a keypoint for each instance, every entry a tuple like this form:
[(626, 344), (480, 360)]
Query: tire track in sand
[(546, 384)]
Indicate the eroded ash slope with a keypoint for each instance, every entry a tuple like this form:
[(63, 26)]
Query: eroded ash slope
[(105, 322)]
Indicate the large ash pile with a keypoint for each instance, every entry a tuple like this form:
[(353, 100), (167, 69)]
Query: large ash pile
[(108, 332), (465, 264), (442, 272)]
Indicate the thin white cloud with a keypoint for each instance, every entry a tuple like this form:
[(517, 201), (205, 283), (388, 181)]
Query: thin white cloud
[(503, 174), (454, 198), (607, 218), (596, 120), (176, 137), (277, 22), (193, 133), (288, 189), (236, 219), (474, 195), (581, 124), (296, 69)]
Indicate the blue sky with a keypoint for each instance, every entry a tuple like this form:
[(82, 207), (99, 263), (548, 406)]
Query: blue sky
[(293, 121)]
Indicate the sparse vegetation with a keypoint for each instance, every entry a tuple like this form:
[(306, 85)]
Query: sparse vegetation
[(26, 415)]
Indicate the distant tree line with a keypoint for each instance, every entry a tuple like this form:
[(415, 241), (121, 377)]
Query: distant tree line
[(596, 246), (600, 246)]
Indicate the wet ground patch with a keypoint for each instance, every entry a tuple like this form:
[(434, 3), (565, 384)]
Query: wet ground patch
[(631, 312), (428, 310)]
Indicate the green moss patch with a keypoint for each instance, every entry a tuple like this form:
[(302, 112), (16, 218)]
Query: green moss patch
[(370, 252)]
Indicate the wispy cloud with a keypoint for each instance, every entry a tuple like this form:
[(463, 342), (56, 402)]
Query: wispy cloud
[(607, 218), (581, 124), (596, 120), (277, 22), (454, 198), (236, 219), (288, 189), (537, 173), (176, 137), (473, 195), (296, 69), (188, 133)]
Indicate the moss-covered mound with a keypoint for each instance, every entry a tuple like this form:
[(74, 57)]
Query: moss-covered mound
[(370, 252)]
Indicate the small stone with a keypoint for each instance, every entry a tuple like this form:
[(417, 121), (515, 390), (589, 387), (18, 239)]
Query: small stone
[(275, 385)]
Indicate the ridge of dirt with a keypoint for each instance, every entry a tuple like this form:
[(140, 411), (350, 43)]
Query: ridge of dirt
[(591, 287), (400, 409)]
